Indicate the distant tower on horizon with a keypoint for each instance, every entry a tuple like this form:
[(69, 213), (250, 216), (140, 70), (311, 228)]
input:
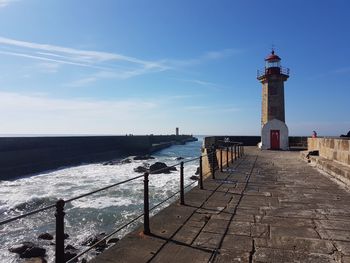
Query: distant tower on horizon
[(177, 131), (274, 133)]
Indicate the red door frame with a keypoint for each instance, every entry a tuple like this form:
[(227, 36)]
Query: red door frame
[(275, 139)]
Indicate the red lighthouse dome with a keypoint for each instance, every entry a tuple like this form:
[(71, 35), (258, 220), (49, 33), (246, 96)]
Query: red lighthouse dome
[(272, 57)]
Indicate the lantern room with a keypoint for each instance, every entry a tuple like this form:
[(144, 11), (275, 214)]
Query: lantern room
[(272, 67), (272, 61)]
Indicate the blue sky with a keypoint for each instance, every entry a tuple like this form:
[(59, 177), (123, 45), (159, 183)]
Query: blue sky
[(141, 66)]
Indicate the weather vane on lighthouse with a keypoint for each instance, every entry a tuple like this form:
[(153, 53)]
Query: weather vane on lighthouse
[(274, 132)]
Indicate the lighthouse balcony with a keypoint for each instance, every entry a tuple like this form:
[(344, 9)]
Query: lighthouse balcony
[(272, 71)]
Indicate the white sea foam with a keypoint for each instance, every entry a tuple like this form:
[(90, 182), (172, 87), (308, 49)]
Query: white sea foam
[(101, 212)]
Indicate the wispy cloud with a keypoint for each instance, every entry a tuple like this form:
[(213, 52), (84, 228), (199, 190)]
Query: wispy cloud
[(106, 65), (208, 56), (202, 83), (4, 3), (122, 66), (81, 82)]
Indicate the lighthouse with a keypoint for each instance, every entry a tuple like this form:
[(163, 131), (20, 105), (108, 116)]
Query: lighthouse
[(274, 131)]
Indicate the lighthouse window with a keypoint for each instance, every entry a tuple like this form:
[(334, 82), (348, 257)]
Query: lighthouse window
[(275, 64)]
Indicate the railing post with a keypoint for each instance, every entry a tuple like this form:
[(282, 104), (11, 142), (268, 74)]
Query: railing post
[(146, 229), (213, 155), (227, 157), (235, 152), (238, 151), (59, 253), (220, 159), (182, 193), (231, 154), (200, 172)]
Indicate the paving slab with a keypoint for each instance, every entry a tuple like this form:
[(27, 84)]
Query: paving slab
[(270, 206)]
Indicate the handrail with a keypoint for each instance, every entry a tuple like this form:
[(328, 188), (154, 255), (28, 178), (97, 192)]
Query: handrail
[(60, 203), (125, 225), (102, 189), (27, 214), (67, 201)]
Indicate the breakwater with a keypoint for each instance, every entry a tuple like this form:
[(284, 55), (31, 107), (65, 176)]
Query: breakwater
[(20, 156)]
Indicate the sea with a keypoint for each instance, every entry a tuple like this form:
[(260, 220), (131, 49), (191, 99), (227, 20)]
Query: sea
[(102, 212)]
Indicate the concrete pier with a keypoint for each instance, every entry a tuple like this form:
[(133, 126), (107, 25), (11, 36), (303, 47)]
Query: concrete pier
[(268, 206)]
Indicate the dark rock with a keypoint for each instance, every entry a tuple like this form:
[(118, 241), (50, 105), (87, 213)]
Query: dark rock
[(45, 236), (193, 177), (84, 260), (33, 252), (90, 241), (179, 158), (69, 255), (141, 169), (143, 157), (70, 247), (66, 236), (197, 171), (113, 240), (19, 249), (154, 168), (125, 161), (114, 162), (158, 168)]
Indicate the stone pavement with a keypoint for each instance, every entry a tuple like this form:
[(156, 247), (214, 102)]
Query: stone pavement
[(268, 206)]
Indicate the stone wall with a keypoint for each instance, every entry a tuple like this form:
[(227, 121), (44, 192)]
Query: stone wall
[(246, 140), (333, 158), (294, 141), (334, 149)]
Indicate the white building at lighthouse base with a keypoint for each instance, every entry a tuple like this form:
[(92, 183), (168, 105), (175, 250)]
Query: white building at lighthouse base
[(274, 136)]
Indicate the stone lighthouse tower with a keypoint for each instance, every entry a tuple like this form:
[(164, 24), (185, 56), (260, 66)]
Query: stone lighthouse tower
[(274, 133)]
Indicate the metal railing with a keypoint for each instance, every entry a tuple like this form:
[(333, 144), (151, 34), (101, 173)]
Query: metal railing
[(235, 150), (265, 71)]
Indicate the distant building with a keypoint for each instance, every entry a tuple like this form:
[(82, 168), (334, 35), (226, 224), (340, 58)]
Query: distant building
[(177, 131), (274, 131)]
